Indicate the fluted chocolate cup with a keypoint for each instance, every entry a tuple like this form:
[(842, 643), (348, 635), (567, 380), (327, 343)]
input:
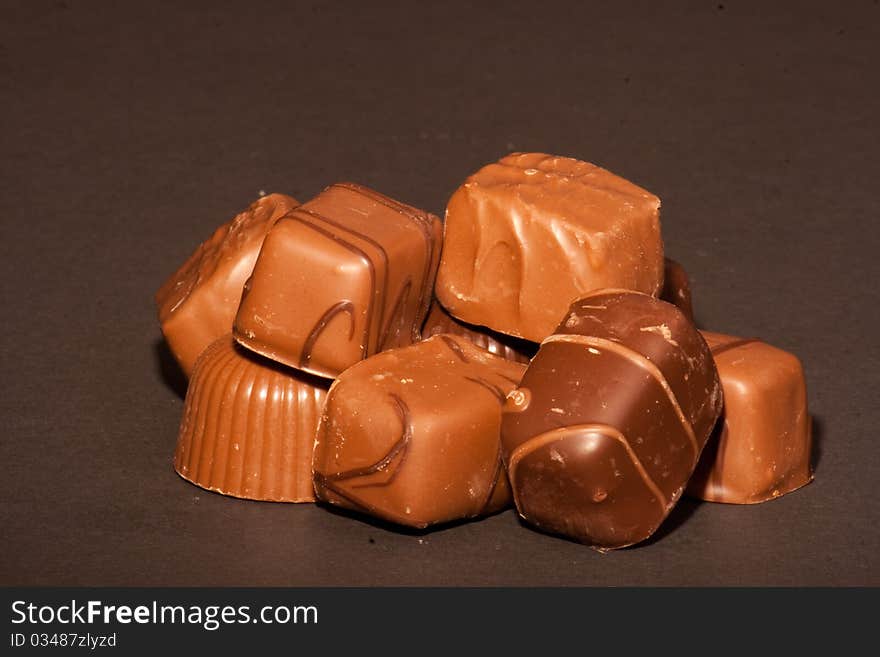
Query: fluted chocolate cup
[(249, 426)]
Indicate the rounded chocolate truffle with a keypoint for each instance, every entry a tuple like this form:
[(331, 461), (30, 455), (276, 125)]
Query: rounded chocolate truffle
[(249, 426), (610, 418)]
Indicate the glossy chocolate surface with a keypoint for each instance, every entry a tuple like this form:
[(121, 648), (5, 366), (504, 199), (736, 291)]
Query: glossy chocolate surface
[(197, 304), (249, 426), (526, 236), (677, 287), (515, 349), (609, 420), (761, 447), (121, 119), (344, 276), (411, 435)]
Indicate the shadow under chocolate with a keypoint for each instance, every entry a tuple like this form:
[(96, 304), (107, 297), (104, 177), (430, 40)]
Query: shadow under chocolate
[(818, 442), (679, 514), (378, 523), (173, 377), (169, 370)]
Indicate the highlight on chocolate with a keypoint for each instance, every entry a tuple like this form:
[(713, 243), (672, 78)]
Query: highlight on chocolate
[(537, 349)]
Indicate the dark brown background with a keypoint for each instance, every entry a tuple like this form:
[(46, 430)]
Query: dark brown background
[(129, 133)]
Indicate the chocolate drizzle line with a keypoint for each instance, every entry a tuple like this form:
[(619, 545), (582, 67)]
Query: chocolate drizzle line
[(491, 387), (374, 289), (344, 306), (735, 344), (578, 431), (495, 477), (423, 222), (455, 348), (398, 449), (514, 381), (641, 361), (378, 294)]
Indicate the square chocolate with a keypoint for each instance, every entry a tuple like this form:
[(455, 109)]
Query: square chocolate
[(761, 446), (412, 435), (529, 234), (344, 276)]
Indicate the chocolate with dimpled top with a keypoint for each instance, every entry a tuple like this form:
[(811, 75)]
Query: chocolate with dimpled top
[(608, 423), (527, 235)]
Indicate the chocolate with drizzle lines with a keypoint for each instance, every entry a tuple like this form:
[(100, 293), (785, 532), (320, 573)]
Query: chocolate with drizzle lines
[(344, 276), (411, 435), (610, 418)]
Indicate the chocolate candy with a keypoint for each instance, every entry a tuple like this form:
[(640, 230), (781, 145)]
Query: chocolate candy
[(761, 447), (249, 426), (411, 435), (605, 429), (198, 302), (344, 276), (439, 321), (677, 287), (526, 236)]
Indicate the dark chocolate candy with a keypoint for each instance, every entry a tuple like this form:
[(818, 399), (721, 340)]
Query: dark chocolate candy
[(344, 276), (760, 449), (526, 236), (198, 302), (607, 425), (677, 287), (515, 349), (249, 426), (411, 435)]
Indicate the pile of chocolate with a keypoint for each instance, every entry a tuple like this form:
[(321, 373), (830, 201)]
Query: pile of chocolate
[(535, 348)]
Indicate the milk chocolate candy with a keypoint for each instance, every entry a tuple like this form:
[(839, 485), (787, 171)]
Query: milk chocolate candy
[(198, 302), (526, 236), (344, 276), (677, 287), (607, 425), (515, 349), (411, 435), (761, 447), (249, 426)]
